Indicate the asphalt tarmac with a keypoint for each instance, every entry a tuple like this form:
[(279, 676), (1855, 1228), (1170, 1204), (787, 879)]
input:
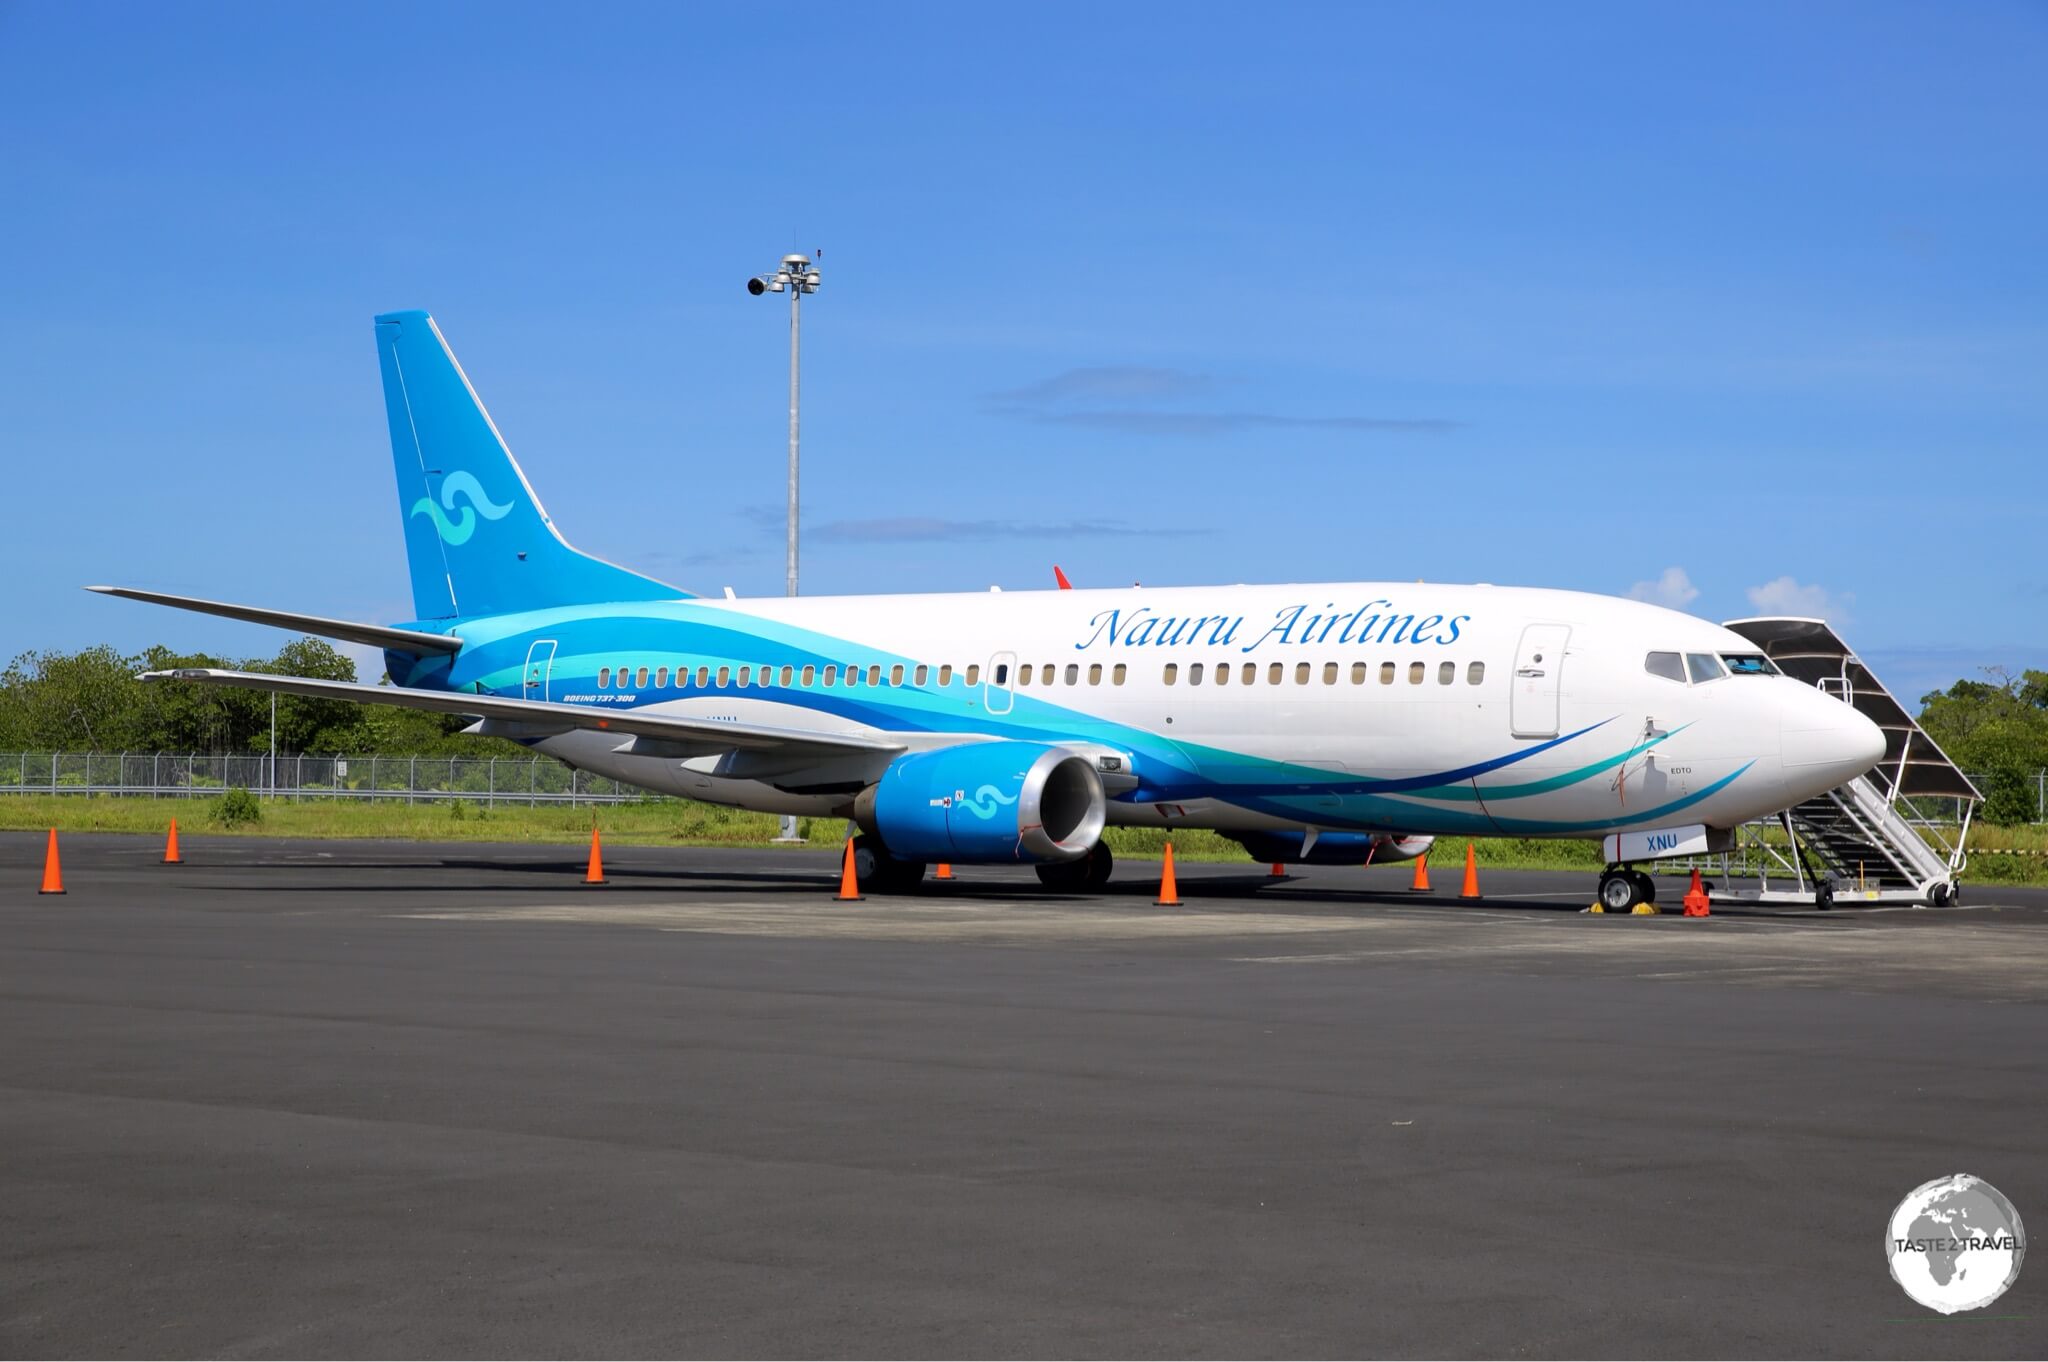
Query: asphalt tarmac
[(333, 1098)]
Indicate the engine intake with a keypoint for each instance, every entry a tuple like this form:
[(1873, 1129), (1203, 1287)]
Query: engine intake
[(986, 802)]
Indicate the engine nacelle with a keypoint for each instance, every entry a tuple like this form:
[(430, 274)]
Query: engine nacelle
[(1334, 848), (986, 802)]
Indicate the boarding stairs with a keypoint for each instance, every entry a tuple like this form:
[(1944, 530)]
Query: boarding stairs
[(1878, 839)]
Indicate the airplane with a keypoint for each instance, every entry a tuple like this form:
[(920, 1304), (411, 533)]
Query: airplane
[(1315, 723)]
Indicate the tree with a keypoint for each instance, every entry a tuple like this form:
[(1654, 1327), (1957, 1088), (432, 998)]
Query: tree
[(1997, 729)]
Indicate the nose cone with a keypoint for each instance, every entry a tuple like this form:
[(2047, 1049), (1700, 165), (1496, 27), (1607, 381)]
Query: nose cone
[(1827, 739)]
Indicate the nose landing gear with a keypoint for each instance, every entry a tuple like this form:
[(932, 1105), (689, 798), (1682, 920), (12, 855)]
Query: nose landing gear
[(1623, 887)]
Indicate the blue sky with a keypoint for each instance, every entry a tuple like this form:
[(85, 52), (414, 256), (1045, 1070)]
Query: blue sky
[(1739, 307)]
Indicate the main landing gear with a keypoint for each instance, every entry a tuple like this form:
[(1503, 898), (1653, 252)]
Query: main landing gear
[(1084, 876), (879, 872), (1623, 887)]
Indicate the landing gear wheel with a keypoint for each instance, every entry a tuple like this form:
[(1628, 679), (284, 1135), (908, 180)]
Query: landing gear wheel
[(878, 872), (1064, 877), (1619, 892), (1084, 876), (1646, 886), (1100, 863)]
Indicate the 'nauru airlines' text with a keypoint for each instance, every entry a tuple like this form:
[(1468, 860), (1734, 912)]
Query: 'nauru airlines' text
[(1373, 622)]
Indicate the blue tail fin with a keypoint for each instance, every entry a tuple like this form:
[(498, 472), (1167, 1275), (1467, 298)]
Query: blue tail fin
[(476, 537)]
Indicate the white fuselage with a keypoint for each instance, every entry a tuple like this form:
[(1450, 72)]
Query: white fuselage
[(1398, 707)]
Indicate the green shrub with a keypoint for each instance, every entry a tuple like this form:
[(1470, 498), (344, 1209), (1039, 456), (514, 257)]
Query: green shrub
[(235, 808), (458, 809)]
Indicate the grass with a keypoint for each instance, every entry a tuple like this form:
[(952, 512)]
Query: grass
[(679, 822)]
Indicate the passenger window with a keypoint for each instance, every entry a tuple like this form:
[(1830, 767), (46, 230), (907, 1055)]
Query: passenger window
[(1446, 672), (745, 672), (875, 674), (1002, 674), (810, 675), (1415, 673), (788, 674), (1386, 673), (1171, 672), (896, 675), (1358, 673), (1094, 673), (1329, 673), (703, 676), (661, 678), (624, 676), (1073, 673), (1222, 673), (1301, 673), (1475, 673), (974, 673), (1194, 673), (1704, 667), (1665, 665), (1250, 673), (945, 673), (832, 675), (640, 682), (604, 678), (917, 678), (1275, 674), (852, 675), (1116, 675), (724, 677), (1023, 675)]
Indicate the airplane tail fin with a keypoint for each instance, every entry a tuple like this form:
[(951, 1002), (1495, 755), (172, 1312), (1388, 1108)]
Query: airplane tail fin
[(476, 537)]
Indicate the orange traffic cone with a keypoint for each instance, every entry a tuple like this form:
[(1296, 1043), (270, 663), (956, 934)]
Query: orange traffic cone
[(1471, 889), (171, 856), (944, 872), (1169, 892), (1696, 902), (1421, 882), (595, 874), (53, 869), (1278, 871), (849, 883)]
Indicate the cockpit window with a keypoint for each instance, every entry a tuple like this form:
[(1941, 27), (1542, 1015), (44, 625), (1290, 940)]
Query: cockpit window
[(1665, 665), (1704, 667), (1749, 664)]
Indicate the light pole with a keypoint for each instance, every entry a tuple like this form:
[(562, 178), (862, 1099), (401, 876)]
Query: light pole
[(796, 276)]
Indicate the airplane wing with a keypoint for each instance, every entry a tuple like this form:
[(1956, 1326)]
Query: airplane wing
[(540, 718), (371, 635)]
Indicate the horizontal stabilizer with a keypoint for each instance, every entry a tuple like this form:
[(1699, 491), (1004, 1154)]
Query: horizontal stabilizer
[(371, 635), (702, 736)]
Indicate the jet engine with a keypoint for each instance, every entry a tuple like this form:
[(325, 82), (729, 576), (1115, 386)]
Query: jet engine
[(986, 802)]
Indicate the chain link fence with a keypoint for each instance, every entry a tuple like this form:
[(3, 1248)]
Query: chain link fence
[(496, 780), (514, 780)]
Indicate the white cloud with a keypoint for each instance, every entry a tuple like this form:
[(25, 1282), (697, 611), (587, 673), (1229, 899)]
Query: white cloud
[(1674, 589), (1786, 596)]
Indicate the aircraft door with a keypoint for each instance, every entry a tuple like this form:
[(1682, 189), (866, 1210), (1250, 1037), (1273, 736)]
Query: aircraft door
[(1539, 672), (998, 690), (540, 668)]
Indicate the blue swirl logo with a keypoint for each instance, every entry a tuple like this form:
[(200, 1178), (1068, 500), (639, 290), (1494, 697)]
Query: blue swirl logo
[(457, 529), (986, 801)]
